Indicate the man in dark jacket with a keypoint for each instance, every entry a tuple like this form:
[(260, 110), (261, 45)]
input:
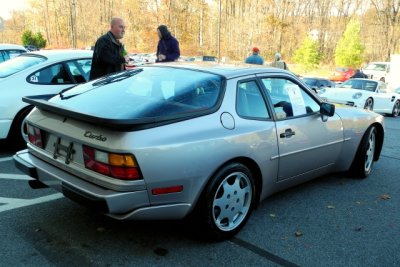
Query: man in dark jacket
[(109, 55), (359, 74), (168, 46)]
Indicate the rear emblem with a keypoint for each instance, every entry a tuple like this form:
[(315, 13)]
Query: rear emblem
[(91, 135)]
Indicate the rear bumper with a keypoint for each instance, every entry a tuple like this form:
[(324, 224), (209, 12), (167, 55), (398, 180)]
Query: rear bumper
[(119, 205)]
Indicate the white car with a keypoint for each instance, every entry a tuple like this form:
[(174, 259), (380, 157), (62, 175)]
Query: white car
[(377, 70), (9, 51), (44, 72), (365, 93)]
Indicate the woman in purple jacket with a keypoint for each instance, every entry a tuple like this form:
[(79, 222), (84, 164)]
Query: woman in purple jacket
[(168, 46)]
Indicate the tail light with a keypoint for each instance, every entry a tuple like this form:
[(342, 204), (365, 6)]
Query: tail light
[(119, 166), (35, 136)]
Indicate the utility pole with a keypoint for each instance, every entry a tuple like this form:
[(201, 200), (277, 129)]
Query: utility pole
[(219, 32)]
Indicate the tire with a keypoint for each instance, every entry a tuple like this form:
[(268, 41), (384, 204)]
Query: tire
[(396, 109), (17, 135), (369, 104), (227, 202), (364, 159)]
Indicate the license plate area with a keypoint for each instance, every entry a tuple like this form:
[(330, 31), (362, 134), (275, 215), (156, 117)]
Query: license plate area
[(63, 149)]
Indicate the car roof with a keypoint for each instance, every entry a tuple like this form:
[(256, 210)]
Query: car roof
[(62, 54), (226, 70), (12, 46)]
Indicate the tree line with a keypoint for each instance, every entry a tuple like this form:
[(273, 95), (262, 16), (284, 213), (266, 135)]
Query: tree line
[(226, 28)]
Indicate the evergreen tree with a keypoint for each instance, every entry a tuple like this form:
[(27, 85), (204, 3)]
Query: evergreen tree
[(28, 38), (349, 50), (307, 54)]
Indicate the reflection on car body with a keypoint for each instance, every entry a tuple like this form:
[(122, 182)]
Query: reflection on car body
[(174, 139)]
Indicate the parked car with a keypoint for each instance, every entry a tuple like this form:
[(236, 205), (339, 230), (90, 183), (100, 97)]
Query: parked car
[(9, 51), (317, 83), (166, 140), (200, 58), (31, 48), (36, 73), (341, 74), (365, 93), (377, 70)]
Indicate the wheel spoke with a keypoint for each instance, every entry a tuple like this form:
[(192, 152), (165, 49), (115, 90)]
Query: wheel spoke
[(369, 156)]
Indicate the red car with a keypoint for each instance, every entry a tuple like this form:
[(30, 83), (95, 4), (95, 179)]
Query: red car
[(341, 74)]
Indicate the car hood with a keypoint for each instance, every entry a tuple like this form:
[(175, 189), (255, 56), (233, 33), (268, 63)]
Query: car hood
[(341, 93)]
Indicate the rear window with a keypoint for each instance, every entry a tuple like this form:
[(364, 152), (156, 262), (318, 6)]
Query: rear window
[(149, 92), (376, 67), (18, 64)]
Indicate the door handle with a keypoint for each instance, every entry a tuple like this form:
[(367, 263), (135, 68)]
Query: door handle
[(287, 133)]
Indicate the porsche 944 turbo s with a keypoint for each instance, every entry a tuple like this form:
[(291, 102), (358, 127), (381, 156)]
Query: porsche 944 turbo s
[(166, 141)]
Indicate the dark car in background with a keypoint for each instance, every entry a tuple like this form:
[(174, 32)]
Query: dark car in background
[(317, 83), (31, 48)]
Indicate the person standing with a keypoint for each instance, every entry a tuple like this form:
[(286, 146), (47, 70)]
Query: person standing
[(255, 58), (168, 46), (278, 62), (109, 55)]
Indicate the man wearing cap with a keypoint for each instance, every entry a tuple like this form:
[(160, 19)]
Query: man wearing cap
[(255, 57)]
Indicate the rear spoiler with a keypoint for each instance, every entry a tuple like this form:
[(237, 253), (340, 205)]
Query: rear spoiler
[(41, 102)]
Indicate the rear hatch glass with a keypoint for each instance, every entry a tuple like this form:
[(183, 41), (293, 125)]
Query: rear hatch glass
[(148, 94)]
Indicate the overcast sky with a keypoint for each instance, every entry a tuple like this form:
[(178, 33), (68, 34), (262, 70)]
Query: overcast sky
[(6, 6)]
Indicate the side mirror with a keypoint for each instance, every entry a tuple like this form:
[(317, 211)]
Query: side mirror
[(327, 109)]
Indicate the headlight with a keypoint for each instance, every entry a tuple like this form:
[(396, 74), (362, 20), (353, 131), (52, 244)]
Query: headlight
[(357, 95)]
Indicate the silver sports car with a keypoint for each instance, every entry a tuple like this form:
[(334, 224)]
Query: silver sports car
[(166, 141)]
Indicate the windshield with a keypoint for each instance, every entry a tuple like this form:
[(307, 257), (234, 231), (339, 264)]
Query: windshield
[(376, 67), (19, 63), (147, 92), (367, 85)]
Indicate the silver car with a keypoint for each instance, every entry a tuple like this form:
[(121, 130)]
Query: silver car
[(166, 141)]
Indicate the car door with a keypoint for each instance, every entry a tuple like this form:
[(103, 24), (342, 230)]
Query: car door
[(308, 145), (383, 100)]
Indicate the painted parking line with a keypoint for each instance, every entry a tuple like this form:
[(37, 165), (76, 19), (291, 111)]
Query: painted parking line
[(10, 176), (6, 159), (15, 203)]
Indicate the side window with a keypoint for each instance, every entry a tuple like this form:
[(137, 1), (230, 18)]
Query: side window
[(2, 56), (249, 101), (54, 74), (289, 99), (80, 69)]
